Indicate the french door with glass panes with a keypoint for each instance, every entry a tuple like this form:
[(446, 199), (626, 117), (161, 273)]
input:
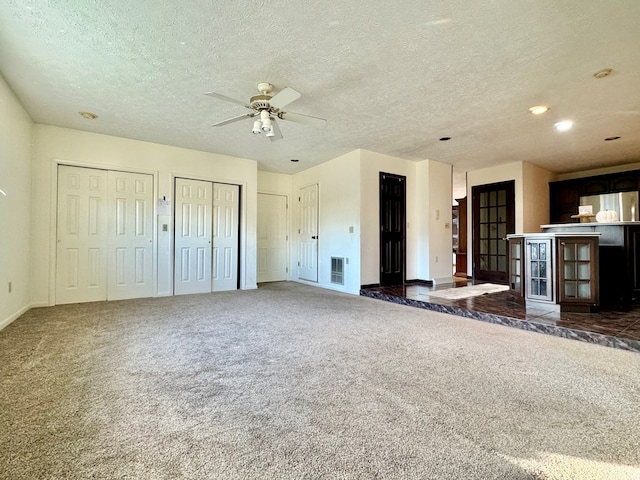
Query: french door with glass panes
[(493, 219)]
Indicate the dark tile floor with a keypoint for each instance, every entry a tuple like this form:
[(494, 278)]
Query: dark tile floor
[(612, 326)]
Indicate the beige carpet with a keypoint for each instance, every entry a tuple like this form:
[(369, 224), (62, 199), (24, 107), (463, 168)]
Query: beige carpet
[(468, 291), (294, 382)]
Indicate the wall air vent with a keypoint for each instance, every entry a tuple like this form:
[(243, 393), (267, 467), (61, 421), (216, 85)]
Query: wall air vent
[(337, 270)]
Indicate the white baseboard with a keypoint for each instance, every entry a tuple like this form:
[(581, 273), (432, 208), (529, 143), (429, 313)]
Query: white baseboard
[(7, 321), (443, 280)]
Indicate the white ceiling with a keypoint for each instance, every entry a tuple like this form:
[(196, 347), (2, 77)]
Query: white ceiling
[(392, 77)]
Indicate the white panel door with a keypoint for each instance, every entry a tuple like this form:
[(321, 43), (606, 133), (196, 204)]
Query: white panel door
[(308, 264), (81, 269), (226, 205), (130, 257), (192, 257), (272, 237)]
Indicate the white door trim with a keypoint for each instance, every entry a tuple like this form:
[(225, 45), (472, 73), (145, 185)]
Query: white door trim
[(287, 230)]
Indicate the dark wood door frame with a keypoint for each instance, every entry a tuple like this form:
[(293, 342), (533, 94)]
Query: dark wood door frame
[(393, 206), (493, 210)]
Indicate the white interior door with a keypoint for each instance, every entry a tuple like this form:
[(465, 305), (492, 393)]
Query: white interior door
[(308, 233), (192, 236), (226, 206), (272, 237), (81, 269), (130, 229)]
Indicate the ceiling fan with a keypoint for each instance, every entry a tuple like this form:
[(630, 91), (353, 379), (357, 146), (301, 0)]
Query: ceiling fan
[(267, 108)]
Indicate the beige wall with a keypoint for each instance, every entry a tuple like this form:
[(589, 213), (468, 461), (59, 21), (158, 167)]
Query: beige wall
[(54, 145), (535, 196), (15, 208), (531, 196)]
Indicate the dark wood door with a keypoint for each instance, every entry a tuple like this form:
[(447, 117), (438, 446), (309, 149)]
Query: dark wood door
[(392, 228), (493, 219)]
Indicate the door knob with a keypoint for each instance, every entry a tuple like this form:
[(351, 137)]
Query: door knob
[(314, 237)]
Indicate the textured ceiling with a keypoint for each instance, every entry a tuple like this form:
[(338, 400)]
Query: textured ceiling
[(388, 77)]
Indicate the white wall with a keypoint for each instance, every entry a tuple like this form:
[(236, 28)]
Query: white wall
[(54, 145), (15, 208), (372, 164), (440, 217), (339, 209), (276, 183)]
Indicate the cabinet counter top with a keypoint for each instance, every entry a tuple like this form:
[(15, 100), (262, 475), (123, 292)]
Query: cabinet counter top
[(553, 234), (589, 224)]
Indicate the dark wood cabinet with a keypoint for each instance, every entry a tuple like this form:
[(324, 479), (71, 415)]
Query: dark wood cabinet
[(461, 252), (624, 183), (594, 186), (555, 271), (564, 199), (564, 196)]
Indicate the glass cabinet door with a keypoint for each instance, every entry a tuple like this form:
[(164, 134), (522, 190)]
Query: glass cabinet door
[(539, 270), (515, 265), (577, 270)]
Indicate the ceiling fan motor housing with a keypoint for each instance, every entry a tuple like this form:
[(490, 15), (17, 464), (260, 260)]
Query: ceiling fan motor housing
[(260, 102)]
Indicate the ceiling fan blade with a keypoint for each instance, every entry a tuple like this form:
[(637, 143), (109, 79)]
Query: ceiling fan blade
[(234, 119), (306, 119), (284, 97), (228, 99), (276, 130)]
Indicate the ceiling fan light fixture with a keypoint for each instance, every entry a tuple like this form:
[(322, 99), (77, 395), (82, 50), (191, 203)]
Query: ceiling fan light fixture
[(266, 121), (257, 127), (271, 133)]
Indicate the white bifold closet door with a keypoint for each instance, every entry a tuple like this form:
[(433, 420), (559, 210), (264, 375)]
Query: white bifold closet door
[(225, 236), (206, 236), (105, 241), (192, 236), (130, 226)]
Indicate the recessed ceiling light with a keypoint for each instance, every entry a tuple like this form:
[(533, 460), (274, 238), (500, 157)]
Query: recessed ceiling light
[(608, 139), (539, 109), (88, 115), (564, 125), (295, 160), (605, 72), (444, 139)]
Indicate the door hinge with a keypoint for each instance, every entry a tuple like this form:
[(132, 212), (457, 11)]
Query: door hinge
[(298, 230), (287, 238), (299, 199), (298, 263), (286, 270)]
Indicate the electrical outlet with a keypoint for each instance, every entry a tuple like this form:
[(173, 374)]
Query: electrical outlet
[(10, 287)]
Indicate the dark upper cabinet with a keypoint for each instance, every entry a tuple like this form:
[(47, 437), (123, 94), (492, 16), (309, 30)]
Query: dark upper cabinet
[(594, 186), (564, 200), (564, 196), (624, 183)]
